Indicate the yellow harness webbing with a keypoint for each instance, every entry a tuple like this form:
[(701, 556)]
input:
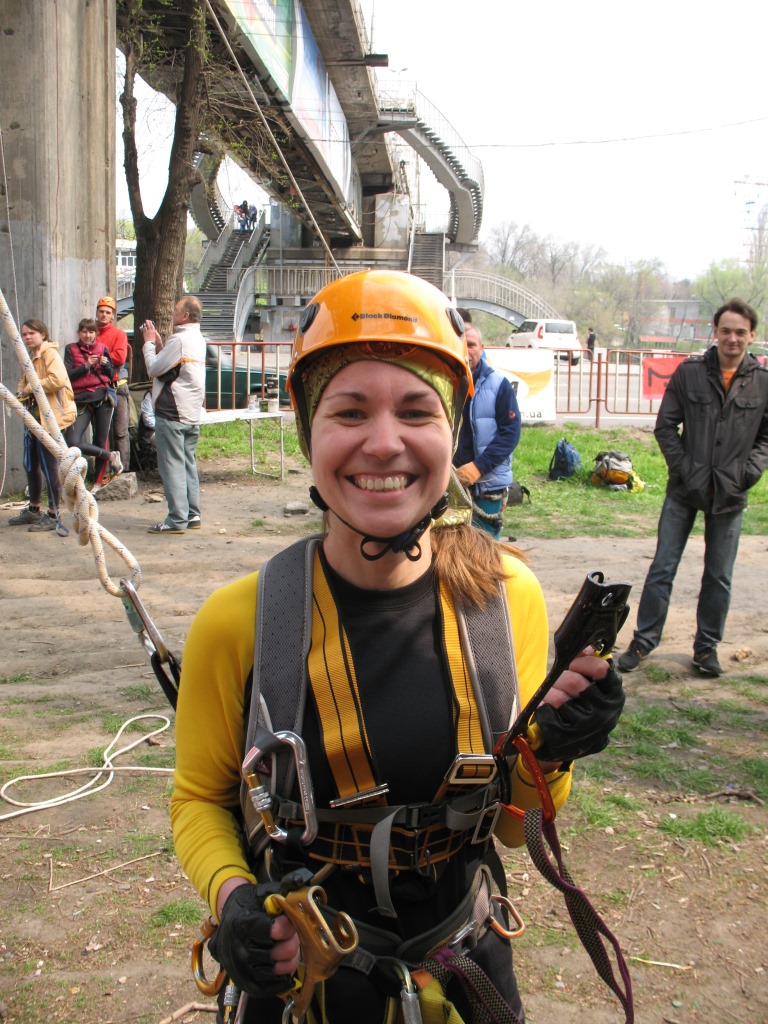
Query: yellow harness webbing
[(334, 685)]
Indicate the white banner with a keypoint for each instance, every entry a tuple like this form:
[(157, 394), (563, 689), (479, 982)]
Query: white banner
[(531, 372)]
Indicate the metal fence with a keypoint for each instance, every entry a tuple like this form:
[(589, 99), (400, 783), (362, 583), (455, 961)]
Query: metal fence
[(620, 382)]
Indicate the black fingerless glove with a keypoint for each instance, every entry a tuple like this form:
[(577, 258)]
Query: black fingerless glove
[(580, 726), (242, 943)]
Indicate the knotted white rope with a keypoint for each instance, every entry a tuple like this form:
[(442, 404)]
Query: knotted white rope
[(72, 467)]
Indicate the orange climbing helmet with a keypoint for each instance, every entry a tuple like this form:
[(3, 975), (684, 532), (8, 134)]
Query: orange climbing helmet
[(379, 308)]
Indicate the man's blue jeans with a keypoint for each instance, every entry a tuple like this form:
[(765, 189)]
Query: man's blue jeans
[(176, 444), (721, 544)]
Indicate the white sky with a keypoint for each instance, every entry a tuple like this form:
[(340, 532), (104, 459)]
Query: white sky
[(514, 77)]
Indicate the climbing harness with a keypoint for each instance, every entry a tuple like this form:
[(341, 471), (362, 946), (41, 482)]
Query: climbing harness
[(359, 828)]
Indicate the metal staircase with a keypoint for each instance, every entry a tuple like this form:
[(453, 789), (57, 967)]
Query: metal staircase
[(225, 308), (206, 203), (428, 258), (440, 146), (216, 278)]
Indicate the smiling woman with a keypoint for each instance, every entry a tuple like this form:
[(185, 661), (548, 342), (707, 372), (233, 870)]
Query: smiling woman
[(408, 674)]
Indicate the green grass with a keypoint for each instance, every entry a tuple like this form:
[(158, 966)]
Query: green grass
[(574, 507), (756, 772), (747, 689), (232, 440), (656, 673), (655, 724), (112, 723), (19, 677), (565, 508), (183, 912), (709, 827), (139, 692)]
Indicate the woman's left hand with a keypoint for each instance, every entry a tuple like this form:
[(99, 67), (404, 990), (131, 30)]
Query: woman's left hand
[(580, 673), (582, 708)]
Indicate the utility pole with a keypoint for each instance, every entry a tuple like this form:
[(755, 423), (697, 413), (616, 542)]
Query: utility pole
[(57, 177), (755, 203)]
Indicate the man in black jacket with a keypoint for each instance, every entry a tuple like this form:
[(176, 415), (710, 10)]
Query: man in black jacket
[(720, 400)]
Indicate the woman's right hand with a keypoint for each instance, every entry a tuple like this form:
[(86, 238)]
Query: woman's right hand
[(259, 952)]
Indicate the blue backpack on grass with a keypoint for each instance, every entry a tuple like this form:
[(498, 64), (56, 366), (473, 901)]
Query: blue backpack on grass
[(565, 462)]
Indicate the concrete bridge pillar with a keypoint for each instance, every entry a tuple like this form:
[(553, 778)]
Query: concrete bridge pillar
[(57, 186)]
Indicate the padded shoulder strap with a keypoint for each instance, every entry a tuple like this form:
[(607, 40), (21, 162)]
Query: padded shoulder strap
[(283, 638), (486, 636)]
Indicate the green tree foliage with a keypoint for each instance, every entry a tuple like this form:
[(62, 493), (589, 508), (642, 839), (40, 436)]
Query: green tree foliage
[(125, 229), (618, 301), (727, 278)]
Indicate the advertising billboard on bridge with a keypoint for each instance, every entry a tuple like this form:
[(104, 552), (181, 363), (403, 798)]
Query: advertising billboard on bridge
[(317, 108), (278, 37), (532, 374), (268, 25)]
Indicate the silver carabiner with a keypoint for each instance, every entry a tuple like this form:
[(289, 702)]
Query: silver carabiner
[(262, 800)]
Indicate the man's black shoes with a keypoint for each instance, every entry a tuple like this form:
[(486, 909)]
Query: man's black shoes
[(706, 662), (632, 657)]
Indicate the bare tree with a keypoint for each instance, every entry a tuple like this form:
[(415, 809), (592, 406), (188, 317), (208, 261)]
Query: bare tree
[(558, 257), (587, 257), (516, 246)]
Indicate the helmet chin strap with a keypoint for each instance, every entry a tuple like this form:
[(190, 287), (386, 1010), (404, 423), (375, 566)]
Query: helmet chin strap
[(407, 543)]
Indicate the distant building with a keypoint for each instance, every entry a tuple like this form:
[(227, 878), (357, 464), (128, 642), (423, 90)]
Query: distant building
[(667, 322), (125, 266)]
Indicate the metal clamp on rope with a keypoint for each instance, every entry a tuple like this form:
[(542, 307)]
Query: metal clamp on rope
[(141, 623), (261, 797), (153, 642), (323, 947)]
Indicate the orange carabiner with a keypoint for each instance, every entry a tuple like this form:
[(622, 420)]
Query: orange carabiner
[(499, 928), (208, 988), (533, 766)]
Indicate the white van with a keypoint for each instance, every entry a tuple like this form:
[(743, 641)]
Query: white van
[(552, 334)]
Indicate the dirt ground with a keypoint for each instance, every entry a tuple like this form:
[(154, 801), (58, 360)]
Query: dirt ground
[(85, 933)]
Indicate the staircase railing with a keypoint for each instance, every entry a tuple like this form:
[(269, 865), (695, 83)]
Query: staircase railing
[(213, 253), (498, 290), (244, 302), (300, 282)]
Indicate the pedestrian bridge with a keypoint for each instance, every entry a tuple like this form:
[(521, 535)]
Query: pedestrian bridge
[(503, 298), (309, 68)]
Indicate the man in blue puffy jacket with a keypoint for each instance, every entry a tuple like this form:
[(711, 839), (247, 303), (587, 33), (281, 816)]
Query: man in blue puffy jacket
[(490, 431)]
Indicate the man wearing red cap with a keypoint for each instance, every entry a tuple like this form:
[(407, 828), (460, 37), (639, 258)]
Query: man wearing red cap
[(116, 342)]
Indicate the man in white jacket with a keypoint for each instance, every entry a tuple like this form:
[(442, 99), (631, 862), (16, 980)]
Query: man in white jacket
[(178, 391)]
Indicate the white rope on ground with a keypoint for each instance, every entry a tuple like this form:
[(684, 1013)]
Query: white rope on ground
[(96, 783), (72, 467)]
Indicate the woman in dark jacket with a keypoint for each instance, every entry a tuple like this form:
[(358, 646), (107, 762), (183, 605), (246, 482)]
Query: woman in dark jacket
[(90, 372)]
